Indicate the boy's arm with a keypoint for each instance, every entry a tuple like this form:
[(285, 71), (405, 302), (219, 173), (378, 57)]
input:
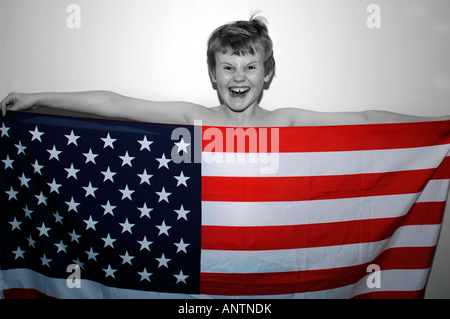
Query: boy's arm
[(106, 104), (305, 117)]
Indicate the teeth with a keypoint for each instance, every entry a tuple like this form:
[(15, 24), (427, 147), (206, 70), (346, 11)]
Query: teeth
[(239, 90)]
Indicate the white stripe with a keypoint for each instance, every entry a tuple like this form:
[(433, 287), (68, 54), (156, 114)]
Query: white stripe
[(323, 163), (391, 280), (305, 212), (227, 261), (318, 211), (56, 287), (435, 191)]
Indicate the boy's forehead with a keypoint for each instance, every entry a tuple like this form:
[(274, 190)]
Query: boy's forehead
[(232, 57)]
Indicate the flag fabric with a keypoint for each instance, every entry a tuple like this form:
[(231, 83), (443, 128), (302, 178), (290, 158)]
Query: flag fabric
[(94, 208)]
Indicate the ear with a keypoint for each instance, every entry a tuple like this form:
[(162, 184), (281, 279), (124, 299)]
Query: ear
[(212, 76), (268, 77)]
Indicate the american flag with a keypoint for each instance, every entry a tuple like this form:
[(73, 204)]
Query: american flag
[(303, 212)]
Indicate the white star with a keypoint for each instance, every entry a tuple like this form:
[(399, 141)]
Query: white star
[(90, 223), (61, 246), (126, 192), (182, 179), (20, 148), (45, 261), (4, 130), (108, 141), (181, 277), (37, 167), (182, 213), (58, 218), (72, 205), (109, 272), (74, 236), (92, 254), (182, 146), (54, 187), (163, 161), (145, 178), (108, 175), (78, 263), (72, 172), (19, 253), (126, 226), (24, 180), (126, 159), (90, 157), (145, 244), (41, 199), (72, 138), (108, 208), (163, 229), (43, 230), (12, 194), (108, 241), (126, 258), (163, 261), (27, 211), (181, 246), (31, 241), (36, 135), (15, 224), (90, 190), (145, 211), (54, 153), (145, 144), (163, 195), (8, 162), (145, 275)]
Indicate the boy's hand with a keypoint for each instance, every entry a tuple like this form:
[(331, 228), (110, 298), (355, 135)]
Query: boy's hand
[(17, 102)]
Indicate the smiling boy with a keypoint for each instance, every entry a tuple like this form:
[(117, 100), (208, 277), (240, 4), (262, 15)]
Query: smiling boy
[(240, 62)]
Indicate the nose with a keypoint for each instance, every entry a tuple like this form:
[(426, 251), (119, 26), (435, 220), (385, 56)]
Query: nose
[(239, 76)]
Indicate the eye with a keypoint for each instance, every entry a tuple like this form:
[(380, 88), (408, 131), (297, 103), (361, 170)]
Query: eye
[(251, 67), (227, 68)]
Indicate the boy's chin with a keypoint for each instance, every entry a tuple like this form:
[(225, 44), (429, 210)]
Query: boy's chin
[(238, 107)]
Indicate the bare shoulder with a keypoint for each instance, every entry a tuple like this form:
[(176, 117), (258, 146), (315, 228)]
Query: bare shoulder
[(302, 117)]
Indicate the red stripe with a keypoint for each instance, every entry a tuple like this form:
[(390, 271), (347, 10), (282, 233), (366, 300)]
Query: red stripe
[(261, 189), (317, 235), (25, 293), (331, 138), (312, 280), (443, 171)]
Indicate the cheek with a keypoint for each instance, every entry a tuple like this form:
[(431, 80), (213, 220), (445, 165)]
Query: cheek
[(222, 82)]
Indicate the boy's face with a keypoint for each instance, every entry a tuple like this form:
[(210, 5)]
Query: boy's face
[(240, 79)]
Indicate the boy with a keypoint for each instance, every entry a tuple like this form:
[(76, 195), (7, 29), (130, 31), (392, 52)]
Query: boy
[(240, 62)]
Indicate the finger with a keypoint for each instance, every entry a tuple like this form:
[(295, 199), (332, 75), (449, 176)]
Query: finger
[(6, 101), (3, 108)]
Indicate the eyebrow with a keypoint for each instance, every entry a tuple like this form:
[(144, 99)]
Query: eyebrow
[(230, 63)]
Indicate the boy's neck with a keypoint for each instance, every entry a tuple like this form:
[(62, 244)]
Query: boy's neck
[(244, 118)]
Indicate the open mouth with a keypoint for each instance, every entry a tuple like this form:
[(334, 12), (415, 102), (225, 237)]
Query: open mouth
[(238, 91)]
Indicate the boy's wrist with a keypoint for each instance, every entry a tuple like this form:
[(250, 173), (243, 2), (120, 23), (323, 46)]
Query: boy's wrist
[(39, 99)]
